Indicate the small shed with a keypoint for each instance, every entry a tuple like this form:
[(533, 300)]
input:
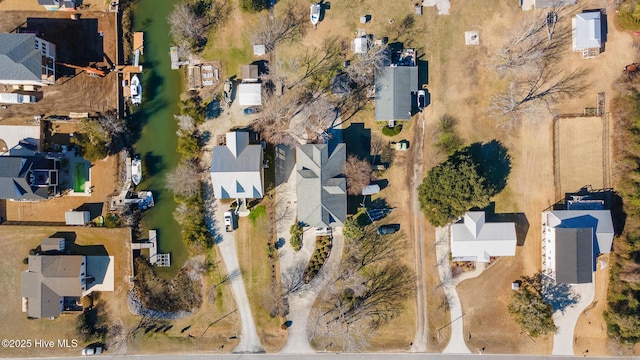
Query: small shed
[(360, 45), (259, 50), (587, 33), (371, 189), (52, 244), (77, 217), (249, 73), (250, 94)]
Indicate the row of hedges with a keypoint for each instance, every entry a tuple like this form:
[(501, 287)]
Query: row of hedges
[(319, 257)]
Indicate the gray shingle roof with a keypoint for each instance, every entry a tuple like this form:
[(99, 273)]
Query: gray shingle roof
[(14, 177), (321, 187), (236, 168), (394, 86), (574, 255), (49, 278), (19, 59)]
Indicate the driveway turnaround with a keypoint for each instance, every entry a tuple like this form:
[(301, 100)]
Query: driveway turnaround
[(566, 320)]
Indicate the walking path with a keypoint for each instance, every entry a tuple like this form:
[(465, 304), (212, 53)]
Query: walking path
[(566, 320), (456, 343)]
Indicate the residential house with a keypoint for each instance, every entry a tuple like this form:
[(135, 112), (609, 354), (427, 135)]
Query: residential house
[(28, 178), (321, 185), (574, 233), (236, 168), (26, 60), (396, 87), (473, 239), (52, 5), (51, 282), (587, 33)]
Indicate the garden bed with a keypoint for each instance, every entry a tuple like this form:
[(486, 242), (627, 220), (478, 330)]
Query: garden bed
[(319, 257)]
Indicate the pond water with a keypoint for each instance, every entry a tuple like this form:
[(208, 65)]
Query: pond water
[(157, 128)]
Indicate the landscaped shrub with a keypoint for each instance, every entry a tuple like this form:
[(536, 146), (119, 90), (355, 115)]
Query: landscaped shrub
[(392, 131), (296, 236), (319, 257)]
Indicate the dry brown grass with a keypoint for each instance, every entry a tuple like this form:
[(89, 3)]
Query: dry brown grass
[(580, 153), (254, 264), (19, 239)]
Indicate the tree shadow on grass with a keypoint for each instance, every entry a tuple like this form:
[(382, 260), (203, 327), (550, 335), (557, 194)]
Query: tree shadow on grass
[(494, 163)]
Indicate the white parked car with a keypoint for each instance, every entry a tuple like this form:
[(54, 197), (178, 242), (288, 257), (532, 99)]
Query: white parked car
[(422, 99), (92, 350)]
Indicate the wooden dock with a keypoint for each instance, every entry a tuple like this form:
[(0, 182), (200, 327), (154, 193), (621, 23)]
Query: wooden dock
[(138, 42), (161, 260)]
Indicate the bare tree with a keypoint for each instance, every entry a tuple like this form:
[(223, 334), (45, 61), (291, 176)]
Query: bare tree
[(317, 65), (186, 123), (112, 124), (528, 96), (271, 30), (184, 179), (293, 279), (273, 121), (368, 65), (358, 174), (372, 247), (186, 24)]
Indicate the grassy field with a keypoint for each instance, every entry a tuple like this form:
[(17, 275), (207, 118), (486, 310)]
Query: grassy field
[(252, 236), (208, 330), (580, 154)]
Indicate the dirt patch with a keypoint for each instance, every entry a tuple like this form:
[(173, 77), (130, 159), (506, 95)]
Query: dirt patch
[(88, 41), (579, 153)]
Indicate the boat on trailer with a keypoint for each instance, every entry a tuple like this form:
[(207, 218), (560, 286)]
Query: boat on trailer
[(315, 13)]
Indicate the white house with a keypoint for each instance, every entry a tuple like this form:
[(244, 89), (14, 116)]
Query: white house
[(587, 33), (236, 168), (572, 239), (473, 239), (25, 59)]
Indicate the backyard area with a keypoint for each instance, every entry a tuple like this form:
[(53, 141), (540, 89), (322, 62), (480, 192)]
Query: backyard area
[(581, 153)]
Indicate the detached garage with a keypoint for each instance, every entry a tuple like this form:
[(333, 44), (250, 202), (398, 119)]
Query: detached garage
[(250, 94), (77, 217)]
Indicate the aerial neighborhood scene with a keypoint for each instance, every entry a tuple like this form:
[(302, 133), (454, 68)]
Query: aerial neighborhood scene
[(228, 178)]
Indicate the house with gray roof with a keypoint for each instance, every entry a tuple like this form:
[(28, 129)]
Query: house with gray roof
[(396, 87), (572, 240), (322, 185), (474, 239), (25, 59), (236, 168), (587, 33), (28, 178), (51, 281)]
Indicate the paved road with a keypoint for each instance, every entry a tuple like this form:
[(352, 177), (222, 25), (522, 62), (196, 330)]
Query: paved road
[(325, 356)]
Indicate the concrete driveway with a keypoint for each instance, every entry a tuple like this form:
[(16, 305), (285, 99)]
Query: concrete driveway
[(567, 318)]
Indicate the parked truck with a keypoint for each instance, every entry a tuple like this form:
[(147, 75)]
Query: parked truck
[(13, 98), (228, 221)]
